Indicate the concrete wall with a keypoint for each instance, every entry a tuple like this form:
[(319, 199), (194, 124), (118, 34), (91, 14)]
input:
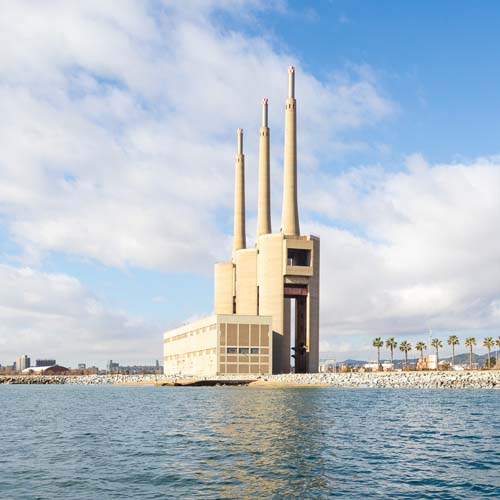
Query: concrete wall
[(246, 281), (191, 349), (271, 301), (223, 287), (219, 344), (313, 309), (245, 344)]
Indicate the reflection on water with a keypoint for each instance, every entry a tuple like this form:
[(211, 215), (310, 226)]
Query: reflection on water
[(261, 446), (228, 442)]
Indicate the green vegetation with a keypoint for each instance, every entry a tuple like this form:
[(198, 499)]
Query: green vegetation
[(378, 343), (488, 342), (497, 344), (392, 344), (470, 342), (405, 347), (421, 347), (453, 341), (437, 344)]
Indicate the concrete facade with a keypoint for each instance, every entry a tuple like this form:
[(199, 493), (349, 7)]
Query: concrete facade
[(275, 283), (218, 345), (281, 274), (23, 362)]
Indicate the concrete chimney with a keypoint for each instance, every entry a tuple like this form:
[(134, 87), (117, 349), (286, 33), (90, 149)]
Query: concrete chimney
[(264, 204), (290, 213), (239, 196)]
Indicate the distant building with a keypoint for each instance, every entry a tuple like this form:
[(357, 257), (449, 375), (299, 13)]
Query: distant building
[(45, 362), (374, 367), (47, 370), (139, 369), (82, 366), (23, 362), (428, 363), (112, 367), (432, 362), (327, 366)]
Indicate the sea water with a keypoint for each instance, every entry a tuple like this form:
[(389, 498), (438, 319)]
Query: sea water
[(89, 442)]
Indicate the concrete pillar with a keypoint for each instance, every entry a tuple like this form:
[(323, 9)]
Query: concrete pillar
[(246, 281), (264, 204), (224, 288), (239, 241), (290, 214)]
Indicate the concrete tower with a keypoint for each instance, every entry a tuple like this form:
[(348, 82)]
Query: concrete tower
[(290, 214), (239, 241), (264, 205), (281, 274)]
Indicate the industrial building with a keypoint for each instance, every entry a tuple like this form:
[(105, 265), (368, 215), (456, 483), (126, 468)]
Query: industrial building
[(274, 283), (220, 344)]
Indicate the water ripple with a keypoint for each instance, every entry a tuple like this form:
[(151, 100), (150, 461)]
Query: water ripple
[(70, 442)]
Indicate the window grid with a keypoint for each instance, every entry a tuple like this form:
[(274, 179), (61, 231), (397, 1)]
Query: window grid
[(260, 360)]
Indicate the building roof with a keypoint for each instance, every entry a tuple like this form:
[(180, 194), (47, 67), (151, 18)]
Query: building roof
[(42, 369)]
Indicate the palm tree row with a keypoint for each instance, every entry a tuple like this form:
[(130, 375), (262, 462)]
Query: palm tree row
[(453, 341)]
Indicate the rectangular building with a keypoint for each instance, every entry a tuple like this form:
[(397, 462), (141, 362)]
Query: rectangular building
[(23, 362), (45, 362), (218, 345)]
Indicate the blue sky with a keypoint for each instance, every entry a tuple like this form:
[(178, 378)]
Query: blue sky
[(435, 59), (118, 142)]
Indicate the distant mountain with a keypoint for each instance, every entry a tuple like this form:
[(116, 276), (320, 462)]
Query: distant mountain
[(460, 359), (463, 358)]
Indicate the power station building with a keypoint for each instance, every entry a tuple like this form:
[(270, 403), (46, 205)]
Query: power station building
[(266, 300)]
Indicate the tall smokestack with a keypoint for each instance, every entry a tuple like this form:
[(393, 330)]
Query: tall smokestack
[(290, 214), (239, 196), (264, 208)]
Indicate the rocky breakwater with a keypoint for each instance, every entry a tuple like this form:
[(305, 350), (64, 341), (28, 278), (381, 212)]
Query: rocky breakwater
[(84, 379), (118, 379), (396, 380)]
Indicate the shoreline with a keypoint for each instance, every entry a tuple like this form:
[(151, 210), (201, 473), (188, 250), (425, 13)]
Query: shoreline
[(396, 380)]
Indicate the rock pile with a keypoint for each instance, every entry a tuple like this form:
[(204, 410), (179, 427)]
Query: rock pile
[(416, 380)]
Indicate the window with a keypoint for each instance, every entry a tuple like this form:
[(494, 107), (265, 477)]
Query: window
[(232, 350), (243, 350), (254, 350), (298, 257)]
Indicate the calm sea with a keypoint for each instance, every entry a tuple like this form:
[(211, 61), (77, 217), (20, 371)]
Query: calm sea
[(70, 442)]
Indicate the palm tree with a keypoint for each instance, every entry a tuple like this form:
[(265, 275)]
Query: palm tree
[(470, 342), (453, 341), (420, 346), (392, 344), (488, 342), (437, 344), (497, 344), (378, 343), (405, 347)]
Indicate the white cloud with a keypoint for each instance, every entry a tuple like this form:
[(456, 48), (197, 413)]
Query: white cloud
[(420, 250), (117, 144), (53, 315), (117, 126)]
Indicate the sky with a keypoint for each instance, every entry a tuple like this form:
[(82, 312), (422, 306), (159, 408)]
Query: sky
[(117, 140)]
